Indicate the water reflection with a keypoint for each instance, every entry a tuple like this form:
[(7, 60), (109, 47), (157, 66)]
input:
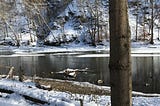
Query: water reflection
[(145, 69)]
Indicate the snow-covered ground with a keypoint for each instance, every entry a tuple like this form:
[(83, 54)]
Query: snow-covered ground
[(56, 98), (136, 48)]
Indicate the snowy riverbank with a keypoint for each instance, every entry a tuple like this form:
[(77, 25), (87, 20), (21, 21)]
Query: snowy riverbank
[(57, 98), (136, 48)]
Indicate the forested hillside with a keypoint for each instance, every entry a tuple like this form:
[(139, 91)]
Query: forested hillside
[(55, 22)]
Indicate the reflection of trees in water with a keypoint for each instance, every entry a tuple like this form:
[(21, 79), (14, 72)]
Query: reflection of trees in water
[(156, 74), (146, 72)]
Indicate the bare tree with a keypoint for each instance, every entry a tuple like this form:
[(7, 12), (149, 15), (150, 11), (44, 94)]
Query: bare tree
[(120, 61), (152, 20)]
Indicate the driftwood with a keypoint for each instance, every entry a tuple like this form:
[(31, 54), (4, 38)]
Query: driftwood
[(72, 72), (49, 88), (10, 74), (138, 94), (35, 100)]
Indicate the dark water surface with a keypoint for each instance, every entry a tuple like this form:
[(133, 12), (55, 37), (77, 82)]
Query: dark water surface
[(146, 70)]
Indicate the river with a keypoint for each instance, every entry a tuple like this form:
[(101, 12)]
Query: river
[(145, 69)]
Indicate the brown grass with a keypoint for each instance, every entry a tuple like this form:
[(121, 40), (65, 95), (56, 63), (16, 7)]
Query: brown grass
[(68, 86)]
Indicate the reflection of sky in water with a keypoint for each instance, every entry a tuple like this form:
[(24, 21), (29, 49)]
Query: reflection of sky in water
[(146, 70)]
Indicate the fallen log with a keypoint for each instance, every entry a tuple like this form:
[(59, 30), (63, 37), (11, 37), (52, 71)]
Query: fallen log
[(6, 91), (35, 100), (10, 74), (49, 88), (140, 94)]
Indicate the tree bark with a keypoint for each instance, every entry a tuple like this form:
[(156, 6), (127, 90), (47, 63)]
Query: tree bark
[(120, 61)]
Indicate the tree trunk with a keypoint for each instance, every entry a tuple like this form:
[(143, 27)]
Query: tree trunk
[(152, 22), (120, 61), (137, 5), (158, 32)]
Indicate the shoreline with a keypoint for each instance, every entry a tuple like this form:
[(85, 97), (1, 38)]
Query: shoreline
[(52, 50)]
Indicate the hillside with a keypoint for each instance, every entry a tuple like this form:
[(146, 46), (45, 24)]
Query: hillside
[(79, 21)]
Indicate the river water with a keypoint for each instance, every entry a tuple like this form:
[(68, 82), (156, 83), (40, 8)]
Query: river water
[(145, 69)]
